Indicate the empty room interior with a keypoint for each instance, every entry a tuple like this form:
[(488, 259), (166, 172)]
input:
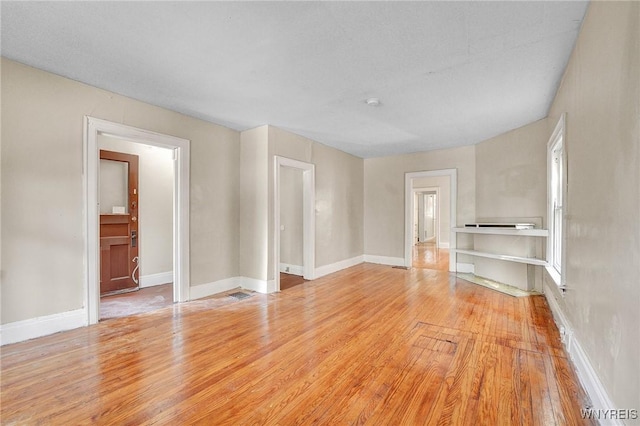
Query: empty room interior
[(320, 212)]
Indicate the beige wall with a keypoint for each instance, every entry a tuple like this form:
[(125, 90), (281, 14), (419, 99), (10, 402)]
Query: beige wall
[(600, 93), (384, 194), (155, 189), (339, 205), (511, 177), (42, 139), (339, 194), (254, 204), (291, 247)]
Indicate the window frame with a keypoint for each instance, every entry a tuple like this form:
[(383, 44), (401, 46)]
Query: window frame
[(556, 241)]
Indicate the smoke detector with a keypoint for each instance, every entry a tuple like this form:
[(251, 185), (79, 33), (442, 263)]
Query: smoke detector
[(374, 102)]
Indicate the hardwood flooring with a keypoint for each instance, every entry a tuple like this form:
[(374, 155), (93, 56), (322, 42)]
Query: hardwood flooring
[(136, 302), (427, 255), (367, 345), (289, 280)]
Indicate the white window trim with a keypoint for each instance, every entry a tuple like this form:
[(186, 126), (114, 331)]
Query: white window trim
[(558, 133)]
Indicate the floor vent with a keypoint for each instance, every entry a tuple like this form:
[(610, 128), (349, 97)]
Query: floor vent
[(400, 267), (240, 295)]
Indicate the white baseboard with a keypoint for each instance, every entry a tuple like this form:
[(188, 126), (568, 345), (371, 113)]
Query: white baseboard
[(443, 245), (292, 269), (156, 279), (209, 289), (586, 373), (19, 331), (466, 268), (338, 266), (384, 260), (261, 286)]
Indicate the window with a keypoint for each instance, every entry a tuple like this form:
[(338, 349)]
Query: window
[(556, 156)]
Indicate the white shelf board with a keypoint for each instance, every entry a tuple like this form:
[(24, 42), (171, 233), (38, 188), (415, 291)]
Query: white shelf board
[(527, 260), (504, 231)]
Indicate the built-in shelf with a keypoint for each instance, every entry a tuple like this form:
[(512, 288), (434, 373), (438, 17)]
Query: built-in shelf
[(504, 231), (527, 260), (529, 246)]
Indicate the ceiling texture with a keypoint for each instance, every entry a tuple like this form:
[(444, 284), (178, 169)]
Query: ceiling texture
[(446, 73)]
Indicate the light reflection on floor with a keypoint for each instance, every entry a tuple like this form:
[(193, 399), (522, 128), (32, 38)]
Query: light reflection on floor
[(428, 256)]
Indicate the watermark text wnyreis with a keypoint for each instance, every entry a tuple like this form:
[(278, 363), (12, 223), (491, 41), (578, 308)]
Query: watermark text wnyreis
[(609, 414)]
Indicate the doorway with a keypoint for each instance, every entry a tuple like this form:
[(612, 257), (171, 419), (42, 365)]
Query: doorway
[(119, 222), (94, 128), (149, 207), (291, 227), (427, 215), (285, 168), (430, 213)]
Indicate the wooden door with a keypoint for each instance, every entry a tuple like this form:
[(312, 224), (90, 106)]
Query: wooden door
[(119, 234)]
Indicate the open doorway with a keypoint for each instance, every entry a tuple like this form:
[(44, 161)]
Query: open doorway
[(136, 227), (294, 222), (291, 227), (179, 149), (427, 216), (430, 207)]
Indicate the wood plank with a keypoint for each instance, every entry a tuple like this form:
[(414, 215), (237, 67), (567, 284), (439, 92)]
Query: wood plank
[(366, 345)]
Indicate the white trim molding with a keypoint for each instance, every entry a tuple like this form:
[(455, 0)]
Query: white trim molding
[(156, 279), (254, 284), (558, 138), (384, 260), (292, 269), (321, 271), (93, 127), (209, 289), (308, 219), (466, 268), (586, 373), (19, 331)]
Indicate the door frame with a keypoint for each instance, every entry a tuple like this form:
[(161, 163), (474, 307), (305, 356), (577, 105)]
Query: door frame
[(181, 148), (409, 211), (308, 217)]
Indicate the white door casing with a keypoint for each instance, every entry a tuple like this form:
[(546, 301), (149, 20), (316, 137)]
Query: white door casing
[(308, 217), (181, 147)]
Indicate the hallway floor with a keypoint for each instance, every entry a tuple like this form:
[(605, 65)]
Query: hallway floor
[(428, 256)]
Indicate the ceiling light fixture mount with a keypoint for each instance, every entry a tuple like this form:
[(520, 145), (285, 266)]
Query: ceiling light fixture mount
[(374, 102)]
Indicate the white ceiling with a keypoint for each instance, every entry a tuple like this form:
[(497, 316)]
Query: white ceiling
[(447, 73)]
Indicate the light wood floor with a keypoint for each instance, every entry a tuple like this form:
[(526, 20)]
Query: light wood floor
[(289, 280), (427, 255), (368, 345)]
